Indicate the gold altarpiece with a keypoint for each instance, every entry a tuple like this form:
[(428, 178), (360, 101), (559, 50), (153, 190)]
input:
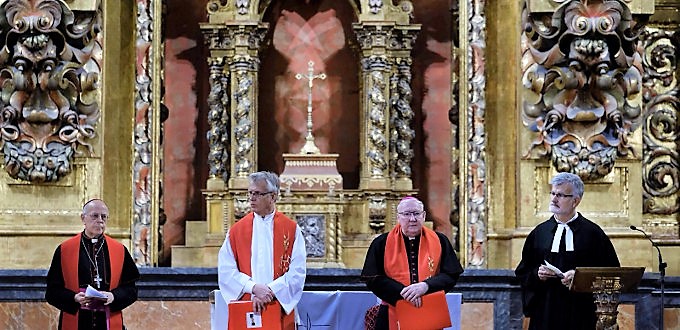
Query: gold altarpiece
[(500, 175), (66, 122), (602, 110), (235, 35), (499, 182)]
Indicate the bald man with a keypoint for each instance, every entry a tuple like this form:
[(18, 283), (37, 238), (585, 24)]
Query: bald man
[(94, 259), (408, 262)]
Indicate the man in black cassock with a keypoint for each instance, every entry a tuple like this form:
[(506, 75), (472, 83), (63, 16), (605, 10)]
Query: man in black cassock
[(567, 240), (409, 233), (95, 259)]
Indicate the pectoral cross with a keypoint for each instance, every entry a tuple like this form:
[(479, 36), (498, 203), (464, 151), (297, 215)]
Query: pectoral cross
[(98, 280), (310, 147)]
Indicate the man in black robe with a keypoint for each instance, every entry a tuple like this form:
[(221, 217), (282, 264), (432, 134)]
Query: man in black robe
[(410, 215), (567, 240), (95, 259)]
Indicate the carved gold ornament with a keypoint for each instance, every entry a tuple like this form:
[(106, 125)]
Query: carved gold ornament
[(49, 74), (582, 73)]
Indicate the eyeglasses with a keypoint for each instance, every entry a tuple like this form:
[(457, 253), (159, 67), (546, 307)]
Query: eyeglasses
[(410, 214), (95, 216), (560, 195), (258, 194)]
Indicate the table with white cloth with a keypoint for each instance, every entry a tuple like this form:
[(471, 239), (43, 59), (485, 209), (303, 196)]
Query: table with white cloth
[(323, 310)]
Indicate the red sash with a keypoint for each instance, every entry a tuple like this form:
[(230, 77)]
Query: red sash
[(70, 253), (396, 260), (241, 239)]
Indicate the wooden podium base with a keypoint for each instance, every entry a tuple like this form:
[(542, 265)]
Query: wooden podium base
[(606, 284)]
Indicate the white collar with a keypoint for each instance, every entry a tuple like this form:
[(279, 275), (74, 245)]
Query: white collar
[(568, 221), (267, 218), (569, 236)]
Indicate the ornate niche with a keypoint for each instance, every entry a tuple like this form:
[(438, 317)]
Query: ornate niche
[(236, 36), (582, 78), (50, 64)]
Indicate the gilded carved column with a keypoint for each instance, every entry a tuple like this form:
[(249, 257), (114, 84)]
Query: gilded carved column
[(234, 65), (387, 114), (147, 217), (401, 133), (660, 161), (233, 35), (375, 123), (218, 119), (244, 70), (473, 141)]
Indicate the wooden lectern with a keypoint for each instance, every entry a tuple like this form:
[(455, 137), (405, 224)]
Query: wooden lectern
[(606, 283)]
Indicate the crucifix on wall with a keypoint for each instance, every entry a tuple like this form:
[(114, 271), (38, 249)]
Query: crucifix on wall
[(310, 147)]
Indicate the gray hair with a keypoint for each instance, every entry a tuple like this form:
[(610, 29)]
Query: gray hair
[(569, 178), (270, 178)]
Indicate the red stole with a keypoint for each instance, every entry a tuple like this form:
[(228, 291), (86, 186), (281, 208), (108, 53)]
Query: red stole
[(396, 260), (241, 240), (70, 254)]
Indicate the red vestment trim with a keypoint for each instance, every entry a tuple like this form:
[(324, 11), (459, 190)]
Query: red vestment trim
[(396, 260), (70, 254)]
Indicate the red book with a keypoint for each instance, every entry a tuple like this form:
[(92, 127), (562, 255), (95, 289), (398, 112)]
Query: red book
[(242, 317), (432, 314)]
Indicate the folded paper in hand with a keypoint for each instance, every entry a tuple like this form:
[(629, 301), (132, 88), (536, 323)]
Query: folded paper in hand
[(91, 292), (554, 269)]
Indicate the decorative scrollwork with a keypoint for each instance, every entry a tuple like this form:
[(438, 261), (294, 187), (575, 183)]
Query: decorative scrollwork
[(377, 212), (375, 6), (582, 69), (49, 72), (376, 124), (314, 231), (241, 207), (401, 135), (242, 131), (147, 54), (242, 6), (660, 163), (218, 119), (214, 6), (475, 181)]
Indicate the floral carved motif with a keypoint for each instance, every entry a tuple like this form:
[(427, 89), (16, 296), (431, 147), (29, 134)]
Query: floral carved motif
[(475, 180), (402, 135), (376, 124), (377, 211), (375, 6), (582, 73), (660, 161), (218, 118), (243, 128), (49, 73)]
